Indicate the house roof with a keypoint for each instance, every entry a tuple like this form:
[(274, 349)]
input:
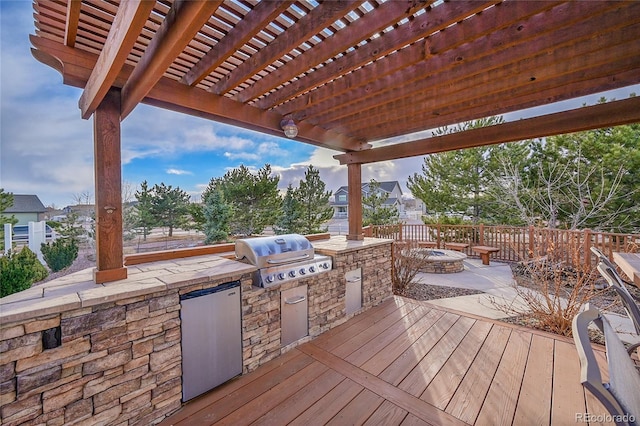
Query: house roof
[(25, 204), (351, 72), (387, 186)]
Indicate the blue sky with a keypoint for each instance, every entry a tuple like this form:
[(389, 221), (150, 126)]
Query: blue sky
[(47, 148)]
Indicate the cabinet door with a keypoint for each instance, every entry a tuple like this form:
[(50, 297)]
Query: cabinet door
[(353, 296), (294, 314)]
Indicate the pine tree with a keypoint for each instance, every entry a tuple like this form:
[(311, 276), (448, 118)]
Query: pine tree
[(375, 211), (6, 201), (169, 206), (457, 181), (254, 198), (290, 220), (144, 217), (217, 214), (313, 201)]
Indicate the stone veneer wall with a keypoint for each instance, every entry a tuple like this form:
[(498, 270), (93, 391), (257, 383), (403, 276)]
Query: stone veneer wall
[(326, 296), (120, 362)]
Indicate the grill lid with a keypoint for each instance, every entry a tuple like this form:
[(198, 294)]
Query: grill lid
[(265, 252)]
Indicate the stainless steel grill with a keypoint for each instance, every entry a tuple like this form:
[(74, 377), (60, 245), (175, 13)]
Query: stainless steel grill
[(281, 258)]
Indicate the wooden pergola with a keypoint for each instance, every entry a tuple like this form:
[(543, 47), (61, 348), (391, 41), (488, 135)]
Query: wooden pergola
[(346, 72)]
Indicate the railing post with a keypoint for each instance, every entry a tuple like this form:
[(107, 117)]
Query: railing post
[(438, 235), (531, 241), (400, 232), (481, 238), (587, 248)]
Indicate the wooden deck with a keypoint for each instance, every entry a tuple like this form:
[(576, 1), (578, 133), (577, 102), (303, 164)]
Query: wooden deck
[(406, 362)]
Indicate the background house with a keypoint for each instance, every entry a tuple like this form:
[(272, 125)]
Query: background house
[(26, 208), (340, 202)]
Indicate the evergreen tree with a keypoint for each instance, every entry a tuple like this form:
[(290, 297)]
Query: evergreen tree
[(290, 221), (144, 217), (457, 181), (254, 198), (313, 201), (375, 211), (169, 206), (197, 218), (6, 201), (217, 214)]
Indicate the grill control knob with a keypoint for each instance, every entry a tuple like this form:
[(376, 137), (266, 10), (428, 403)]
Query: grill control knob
[(270, 278), (302, 271), (281, 276), (324, 265), (312, 269), (292, 274)]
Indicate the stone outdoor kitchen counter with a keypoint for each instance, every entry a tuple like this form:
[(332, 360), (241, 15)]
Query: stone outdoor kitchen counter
[(78, 290)]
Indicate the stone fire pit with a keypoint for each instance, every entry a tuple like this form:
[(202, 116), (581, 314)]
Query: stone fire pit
[(440, 261)]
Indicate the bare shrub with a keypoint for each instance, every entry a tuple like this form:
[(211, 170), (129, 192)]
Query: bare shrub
[(406, 263), (552, 291)]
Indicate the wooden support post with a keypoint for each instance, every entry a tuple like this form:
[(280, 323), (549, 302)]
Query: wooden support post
[(531, 241), (354, 181), (587, 248), (108, 181)]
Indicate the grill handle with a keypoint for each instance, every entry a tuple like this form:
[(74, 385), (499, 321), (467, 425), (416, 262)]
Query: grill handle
[(288, 260), (295, 300)]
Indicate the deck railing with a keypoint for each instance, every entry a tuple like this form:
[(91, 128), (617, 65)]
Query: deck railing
[(515, 243)]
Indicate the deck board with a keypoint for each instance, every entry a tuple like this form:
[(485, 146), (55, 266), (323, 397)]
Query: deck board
[(443, 386), (387, 414), (327, 407), (358, 410), (410, 363), (568, 397), (500, 403), (469, 397), (534, 401), (295, 405)]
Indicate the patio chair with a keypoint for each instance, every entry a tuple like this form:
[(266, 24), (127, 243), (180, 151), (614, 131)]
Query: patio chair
[(621, 396), (608, 271)]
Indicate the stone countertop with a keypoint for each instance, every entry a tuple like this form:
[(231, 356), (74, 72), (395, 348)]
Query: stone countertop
[(78, 290), (340, 244)]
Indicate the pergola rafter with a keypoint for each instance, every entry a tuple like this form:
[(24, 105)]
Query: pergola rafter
[(349, 72)]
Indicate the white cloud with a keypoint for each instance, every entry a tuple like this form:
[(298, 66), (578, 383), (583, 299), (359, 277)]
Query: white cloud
[(179, 172), (334, 175), (247, 156)]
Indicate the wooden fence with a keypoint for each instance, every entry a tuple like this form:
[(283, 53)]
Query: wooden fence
[(516, 243)]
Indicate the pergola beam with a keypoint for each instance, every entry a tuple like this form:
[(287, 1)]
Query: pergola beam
[(609, 114), (71, 25), (127, 25), (492, 89), (184, 20), (487, 60), (424, 51), (418, 27), (258, 17), (371, 23), (308, 26), (471, 110)]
